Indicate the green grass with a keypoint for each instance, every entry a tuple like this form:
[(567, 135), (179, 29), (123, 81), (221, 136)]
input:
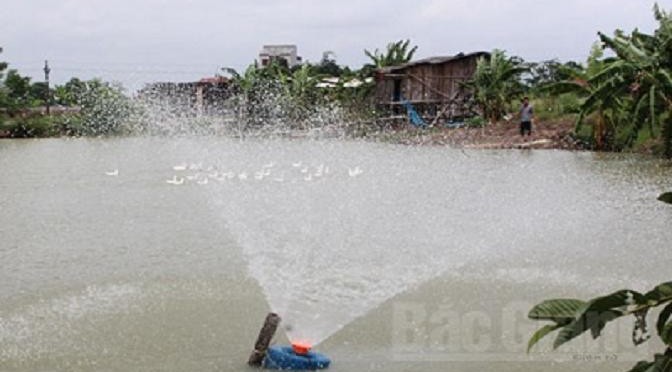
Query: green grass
[(555, 107)]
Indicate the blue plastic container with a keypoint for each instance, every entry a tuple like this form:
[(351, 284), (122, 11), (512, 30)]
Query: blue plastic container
[(283, 357)]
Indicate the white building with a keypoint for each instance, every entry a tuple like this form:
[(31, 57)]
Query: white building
[(288, 53)]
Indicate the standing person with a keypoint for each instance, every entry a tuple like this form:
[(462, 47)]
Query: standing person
[(526, 114)]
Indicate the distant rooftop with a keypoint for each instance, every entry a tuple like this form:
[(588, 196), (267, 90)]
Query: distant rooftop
[(214, 80), (278, 46), (434, 61)]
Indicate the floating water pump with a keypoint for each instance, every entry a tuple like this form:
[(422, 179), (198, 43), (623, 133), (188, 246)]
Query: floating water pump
[(295, 357)]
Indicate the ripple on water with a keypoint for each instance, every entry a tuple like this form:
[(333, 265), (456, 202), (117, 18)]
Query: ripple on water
[(45, 327)]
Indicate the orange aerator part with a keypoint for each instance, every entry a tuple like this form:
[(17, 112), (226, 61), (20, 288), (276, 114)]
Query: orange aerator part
[(300, 347)]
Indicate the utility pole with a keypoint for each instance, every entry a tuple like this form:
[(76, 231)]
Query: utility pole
[(46, 80)]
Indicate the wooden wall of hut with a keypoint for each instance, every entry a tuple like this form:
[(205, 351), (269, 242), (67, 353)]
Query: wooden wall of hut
[(429, 86)]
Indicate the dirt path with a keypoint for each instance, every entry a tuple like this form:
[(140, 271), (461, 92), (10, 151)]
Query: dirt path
[(503, 135)]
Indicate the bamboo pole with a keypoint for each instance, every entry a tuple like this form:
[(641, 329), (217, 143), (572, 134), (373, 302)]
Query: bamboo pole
[(264, 340)]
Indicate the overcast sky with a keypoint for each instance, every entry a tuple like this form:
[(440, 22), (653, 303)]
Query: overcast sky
[(137, 41)]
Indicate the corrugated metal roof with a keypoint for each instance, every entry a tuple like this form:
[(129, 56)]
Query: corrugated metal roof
[(432, 61)]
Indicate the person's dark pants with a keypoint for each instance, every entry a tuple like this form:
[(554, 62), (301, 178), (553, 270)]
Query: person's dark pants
[(525, 126)]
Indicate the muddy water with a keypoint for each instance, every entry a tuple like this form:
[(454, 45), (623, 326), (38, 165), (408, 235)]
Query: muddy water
[(396, 259)]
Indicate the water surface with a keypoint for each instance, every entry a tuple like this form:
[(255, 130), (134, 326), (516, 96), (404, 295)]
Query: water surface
[(395, 258)]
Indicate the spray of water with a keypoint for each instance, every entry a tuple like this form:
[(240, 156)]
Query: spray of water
[(310, 229), (173, 110), (304, 225)]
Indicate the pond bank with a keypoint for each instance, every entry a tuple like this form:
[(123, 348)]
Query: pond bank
[(556, 134), (502, 135)]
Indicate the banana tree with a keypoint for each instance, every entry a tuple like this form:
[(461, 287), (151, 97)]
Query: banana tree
[(573, 317), (397, 53), (630, 91), (301, 85), (251, 89), (642, 73), (300, 92), (243, 85), (495, 82), (585, 82)]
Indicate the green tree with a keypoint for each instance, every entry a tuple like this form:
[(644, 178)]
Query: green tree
[(3, 67), (549, 72), (263, 95), (327, 66), (68, 94), (633, 90), (301, 86), (582, 82), (3, 91), (246, 88), (22, 93), (38, 92), (104, 108), (496, 82), (643, 71), (18, 90), (396, 53)]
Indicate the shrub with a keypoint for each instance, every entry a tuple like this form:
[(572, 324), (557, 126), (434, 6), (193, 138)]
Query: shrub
[(24, 127)]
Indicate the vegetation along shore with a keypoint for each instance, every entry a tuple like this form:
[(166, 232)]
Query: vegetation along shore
[(619, 99)]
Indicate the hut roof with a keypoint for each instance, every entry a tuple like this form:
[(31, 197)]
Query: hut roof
[(432, 61), (213, 80)]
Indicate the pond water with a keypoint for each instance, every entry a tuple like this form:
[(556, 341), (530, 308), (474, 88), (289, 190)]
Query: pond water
[(166, 254)]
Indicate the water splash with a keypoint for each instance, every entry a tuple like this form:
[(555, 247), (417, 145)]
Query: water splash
[(318, 248), (272, 113)]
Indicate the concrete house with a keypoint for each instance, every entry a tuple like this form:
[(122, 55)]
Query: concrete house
[(285, 53)]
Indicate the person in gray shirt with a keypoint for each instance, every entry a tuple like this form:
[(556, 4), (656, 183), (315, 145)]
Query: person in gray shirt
[(526, 115)]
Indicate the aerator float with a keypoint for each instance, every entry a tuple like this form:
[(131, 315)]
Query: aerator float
[(298, 356)]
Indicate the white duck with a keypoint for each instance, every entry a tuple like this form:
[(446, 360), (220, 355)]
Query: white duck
[(175, 180), (354, 172)]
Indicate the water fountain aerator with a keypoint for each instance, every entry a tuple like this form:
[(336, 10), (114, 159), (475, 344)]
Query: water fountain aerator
[(301, 348), (287, 357), (296, 357)]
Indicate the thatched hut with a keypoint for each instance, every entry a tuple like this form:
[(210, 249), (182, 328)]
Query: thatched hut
[(433, 86)]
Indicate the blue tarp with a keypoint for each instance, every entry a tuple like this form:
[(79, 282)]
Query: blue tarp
[(413, 115)]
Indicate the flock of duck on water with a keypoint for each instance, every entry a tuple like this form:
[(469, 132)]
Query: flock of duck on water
[(204, 175)]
